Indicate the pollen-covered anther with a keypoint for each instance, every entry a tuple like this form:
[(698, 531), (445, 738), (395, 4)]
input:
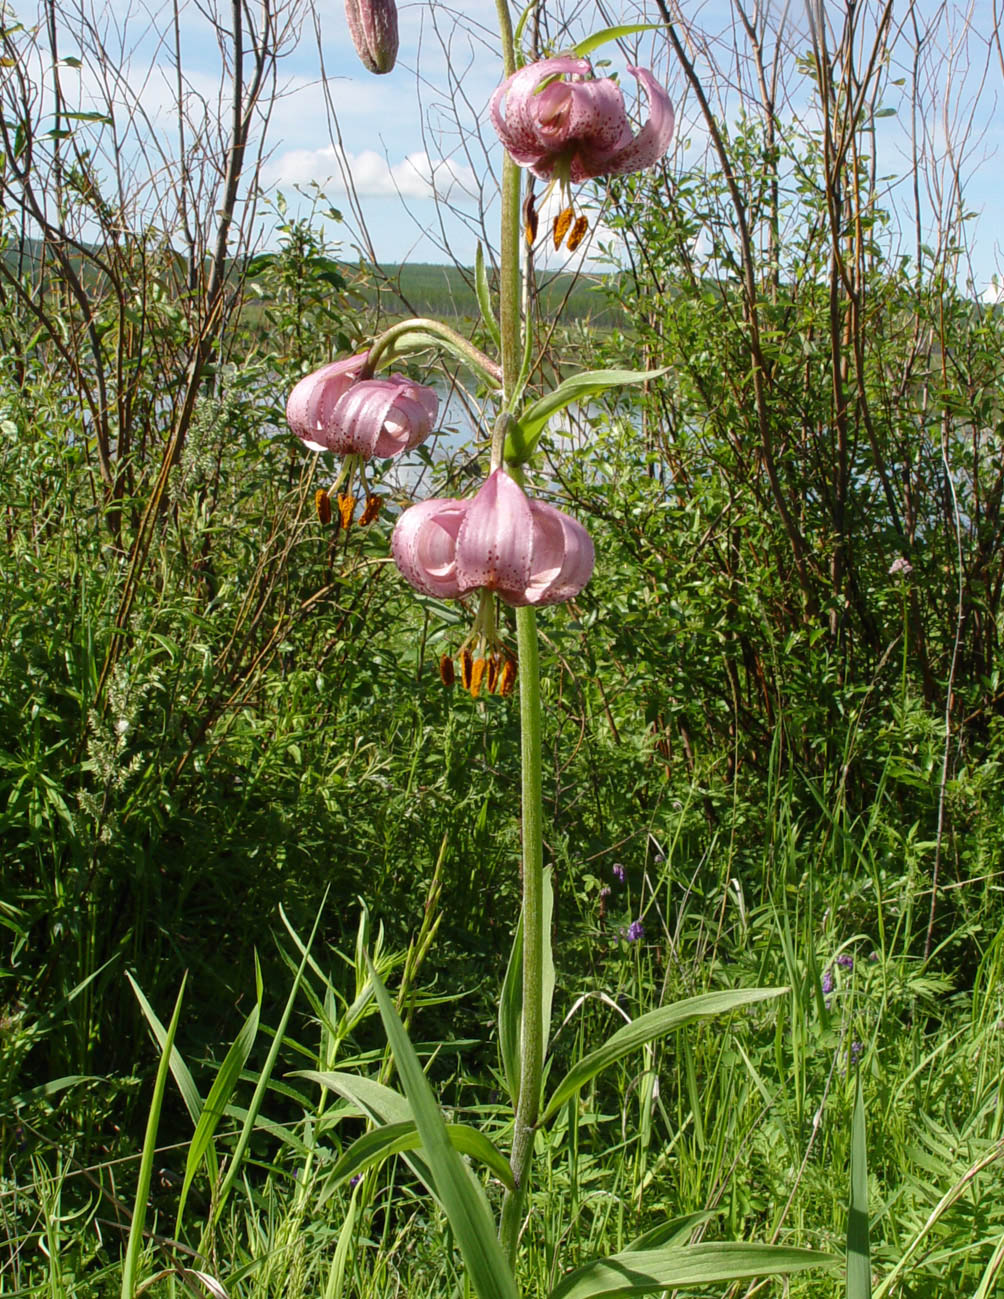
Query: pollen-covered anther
[(493, 672), (477, 676), (370, 510), (346, 509), (531, 221), (507, 676), (446, 673), (578, 233), (322, 504), (561, 224), (466, 668)]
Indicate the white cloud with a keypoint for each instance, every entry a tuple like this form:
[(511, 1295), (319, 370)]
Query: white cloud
[(374, 176)]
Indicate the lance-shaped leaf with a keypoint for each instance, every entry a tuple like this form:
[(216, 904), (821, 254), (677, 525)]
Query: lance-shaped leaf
[(460, 1194), (511, 1000), (523, 438), (642, 1271), (485, 296), (217, 1101), (672, 1232), (646, 1028), (586, 47)]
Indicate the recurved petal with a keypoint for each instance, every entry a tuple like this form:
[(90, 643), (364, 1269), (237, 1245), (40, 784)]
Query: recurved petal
[(596, 116), (359, 417), (651, 142), (311, 404), (424, 546), (495, 540), (515, 109), (563, 556), (382, 417), (410, 419)]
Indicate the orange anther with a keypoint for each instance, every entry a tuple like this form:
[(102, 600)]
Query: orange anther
[(371, 510), (578, 233), (507, 677), (346, 508), (561, 223), (466, 668)]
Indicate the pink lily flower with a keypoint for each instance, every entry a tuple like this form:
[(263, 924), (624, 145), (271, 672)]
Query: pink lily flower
[(334, 410), (498, 540), (575, 128)]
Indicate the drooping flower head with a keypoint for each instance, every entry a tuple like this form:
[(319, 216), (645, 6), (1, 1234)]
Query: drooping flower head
[(567, 126), (373, 28), (496, 542), (334, 409)]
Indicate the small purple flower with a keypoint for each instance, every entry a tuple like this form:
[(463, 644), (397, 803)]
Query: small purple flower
[(619, 872), (635, 931), (900, 567), (857, 1050), (846, 961), (354, 1181), (605, 891), (827, 981)]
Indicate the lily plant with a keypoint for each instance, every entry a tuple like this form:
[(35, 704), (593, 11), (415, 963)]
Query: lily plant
[(558, 121)]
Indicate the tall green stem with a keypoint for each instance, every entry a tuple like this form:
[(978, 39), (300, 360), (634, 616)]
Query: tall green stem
[(532, 1026)]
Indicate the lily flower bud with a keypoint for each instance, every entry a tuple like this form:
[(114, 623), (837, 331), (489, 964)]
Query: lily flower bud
[(373, 27)]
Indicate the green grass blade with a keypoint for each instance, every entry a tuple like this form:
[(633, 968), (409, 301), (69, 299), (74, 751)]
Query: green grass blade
[(216, 1102), (397, 1138), (134, 1246), (336, 1277), (643, 1271), (988, 1284), (44, 1090), (673, 1232), (461, 1196), (180, 1071), (859, 1268), (263, 1079), (646, 1028)]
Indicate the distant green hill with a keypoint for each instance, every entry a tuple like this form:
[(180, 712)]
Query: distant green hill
[(430, 290), (425, 289)]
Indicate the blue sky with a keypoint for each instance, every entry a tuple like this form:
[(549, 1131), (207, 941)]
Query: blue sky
[(399, 137), (399, 133)]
